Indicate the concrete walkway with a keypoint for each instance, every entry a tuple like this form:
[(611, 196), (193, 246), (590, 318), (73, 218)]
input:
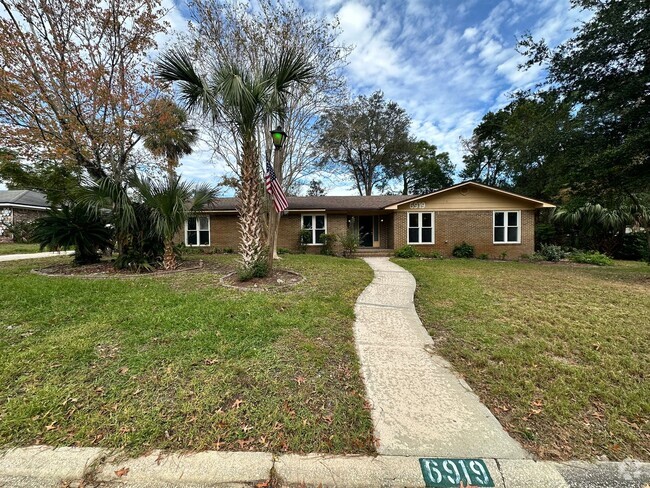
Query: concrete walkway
[(34, 255), (419, 406)]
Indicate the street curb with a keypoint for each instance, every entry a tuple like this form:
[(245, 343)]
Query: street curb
[(42, 466)]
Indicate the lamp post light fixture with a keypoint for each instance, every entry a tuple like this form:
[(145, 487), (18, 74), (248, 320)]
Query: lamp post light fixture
[(279, 136)]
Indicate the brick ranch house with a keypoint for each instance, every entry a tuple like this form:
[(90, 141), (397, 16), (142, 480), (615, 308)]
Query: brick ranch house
[(20, 206), (494, 221)]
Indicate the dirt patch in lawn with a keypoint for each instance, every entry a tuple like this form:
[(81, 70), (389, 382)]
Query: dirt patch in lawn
[(279, 278)]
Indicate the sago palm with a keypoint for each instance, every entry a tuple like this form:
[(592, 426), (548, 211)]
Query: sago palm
[(170, 203), (243, 98)]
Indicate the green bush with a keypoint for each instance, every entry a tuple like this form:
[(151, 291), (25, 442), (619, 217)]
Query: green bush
[(483, 256), (591, 257), (74, 226), (551, 252), (304, 238), (407, 252), (284, 250), (259, 269), (536, 257), (328, 241), (21, 232), (463, 250), (349, 242), (228, 250)]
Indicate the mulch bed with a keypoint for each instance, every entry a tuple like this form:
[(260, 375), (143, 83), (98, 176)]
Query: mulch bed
[(279, 278), (105, 269)]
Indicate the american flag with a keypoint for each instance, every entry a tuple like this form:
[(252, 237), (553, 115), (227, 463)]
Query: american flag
[(273, 188)]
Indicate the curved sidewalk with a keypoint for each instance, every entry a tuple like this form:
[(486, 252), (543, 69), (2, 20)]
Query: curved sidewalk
[(419, 406)]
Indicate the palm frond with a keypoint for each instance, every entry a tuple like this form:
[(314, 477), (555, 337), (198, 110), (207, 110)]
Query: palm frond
[(176, 65)]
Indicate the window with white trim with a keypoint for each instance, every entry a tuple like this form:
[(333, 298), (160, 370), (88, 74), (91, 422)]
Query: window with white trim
[(420, 228), (197, 231), (507, 227), (317, 224)]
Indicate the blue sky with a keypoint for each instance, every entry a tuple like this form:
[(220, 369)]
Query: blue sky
[(446, 62)]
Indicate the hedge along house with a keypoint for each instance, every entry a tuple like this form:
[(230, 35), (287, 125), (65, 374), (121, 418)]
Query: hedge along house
[(19, 206), (493, 221)]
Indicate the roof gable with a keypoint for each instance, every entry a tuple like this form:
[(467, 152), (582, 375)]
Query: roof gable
[(464, 188)]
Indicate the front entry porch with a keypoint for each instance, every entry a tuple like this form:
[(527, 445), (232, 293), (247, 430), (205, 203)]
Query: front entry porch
[(374, 231)]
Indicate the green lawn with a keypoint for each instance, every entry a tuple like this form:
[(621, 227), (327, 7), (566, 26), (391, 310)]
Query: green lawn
[(13, 248), (559, 353), (180, 362)]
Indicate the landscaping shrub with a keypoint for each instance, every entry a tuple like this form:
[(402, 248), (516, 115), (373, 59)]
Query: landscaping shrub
[(328, 241), (259, 269), (21, 232), (284, 250), (551, 252), (228, 250), (463, 250), (634, 248), (303, 239), (591, 257), (483, 256), (407, 252), (74, 226), (349, 242)]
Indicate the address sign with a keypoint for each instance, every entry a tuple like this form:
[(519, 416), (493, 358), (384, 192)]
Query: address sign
[(447, 473)]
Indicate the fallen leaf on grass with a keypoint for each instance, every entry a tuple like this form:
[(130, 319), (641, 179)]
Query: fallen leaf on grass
[(210, 362), (299, 379), (236, 404), (328, 419), (123, 370), (243, 443), (52, 426), (122, 472)]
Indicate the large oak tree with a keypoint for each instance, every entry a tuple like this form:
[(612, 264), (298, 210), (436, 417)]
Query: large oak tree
[(73, 78)]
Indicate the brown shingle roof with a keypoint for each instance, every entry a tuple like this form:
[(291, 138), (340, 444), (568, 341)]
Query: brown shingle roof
[(375, 202)]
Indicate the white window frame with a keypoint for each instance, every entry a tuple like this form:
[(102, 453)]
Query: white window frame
[(198, 237), (419, 227), (506, 226), (313, 229)]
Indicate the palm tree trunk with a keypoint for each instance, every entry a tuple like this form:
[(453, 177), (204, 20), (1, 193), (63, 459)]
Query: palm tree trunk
[(169, 257), (250, 225)]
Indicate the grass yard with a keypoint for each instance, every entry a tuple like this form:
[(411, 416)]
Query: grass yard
[(180, 362), (13, 248), (559, 353)]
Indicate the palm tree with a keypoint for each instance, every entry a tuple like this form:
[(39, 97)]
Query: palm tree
[(170, 203), (244, 98), (166, 134)]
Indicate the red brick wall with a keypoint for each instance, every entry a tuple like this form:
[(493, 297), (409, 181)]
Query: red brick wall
[(475, 228)]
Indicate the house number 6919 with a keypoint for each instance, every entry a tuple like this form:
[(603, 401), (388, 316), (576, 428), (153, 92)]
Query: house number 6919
[(418, 205)]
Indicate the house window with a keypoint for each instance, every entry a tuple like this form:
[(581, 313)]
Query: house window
[(197, 231), (507, 227), (420, 229), (317, 224)]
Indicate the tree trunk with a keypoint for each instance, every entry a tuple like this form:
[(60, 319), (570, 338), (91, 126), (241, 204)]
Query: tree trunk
[(250, 225), (169, 257)]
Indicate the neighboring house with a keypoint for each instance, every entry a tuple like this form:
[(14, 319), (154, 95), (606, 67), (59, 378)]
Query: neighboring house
[(492, 220), (20, 206)]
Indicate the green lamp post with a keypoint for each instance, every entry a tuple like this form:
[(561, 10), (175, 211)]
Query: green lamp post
[(279, 136)]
